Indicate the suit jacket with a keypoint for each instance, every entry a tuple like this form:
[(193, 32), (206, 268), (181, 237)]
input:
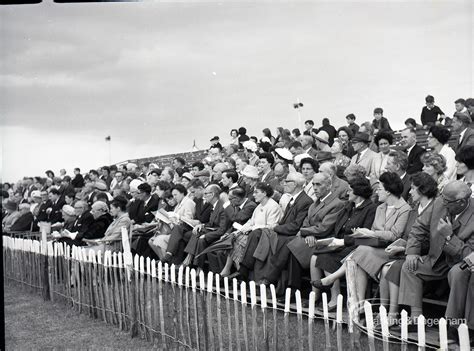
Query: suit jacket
[(219, 222), (78, 181), (406, 187), (468, 139), (56, 215), (82, 224), (145, 211), (134, 210), (268, 177), (294, 215), (355, 217), (23, 223), (114, 230), (414, 159), (312, 152), (98, 227), (391, 227), (365, 161), (461, 241), (322, 217), (240, 215), (341, 188), (203, 210), (42, 215), (382, 125)]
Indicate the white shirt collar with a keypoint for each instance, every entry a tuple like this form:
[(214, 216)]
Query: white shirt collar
[(422, 208), (362, 153), (243, 203), (324, 198), (461, 135), (297, 194)]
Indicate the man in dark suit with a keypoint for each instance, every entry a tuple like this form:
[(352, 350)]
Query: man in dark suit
[(318, 224), (78, 180), (461, 124), (149, 204), (449, 228), (203, 235), (24, 222), (397, 163), (286, 229), (54, 212), (43, 207), (182, 233), (413, 150), (80, 227)]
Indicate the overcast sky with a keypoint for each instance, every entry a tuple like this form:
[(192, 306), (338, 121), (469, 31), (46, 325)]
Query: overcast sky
[(156, 76)]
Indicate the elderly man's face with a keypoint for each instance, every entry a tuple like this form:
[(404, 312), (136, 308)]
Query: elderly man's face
[(453, 204), (165, 176), (290, 184), (321, 186), (408, 139), (79, 208)]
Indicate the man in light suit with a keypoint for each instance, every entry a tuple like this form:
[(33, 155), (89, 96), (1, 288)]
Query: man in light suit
[(461, 124), (364, 156), (449, 228), (319, 224), (413, 150), (205, 235)]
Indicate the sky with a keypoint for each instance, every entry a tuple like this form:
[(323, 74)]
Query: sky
[(156, 76)]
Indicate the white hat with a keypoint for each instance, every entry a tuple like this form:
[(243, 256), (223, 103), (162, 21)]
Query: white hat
[(250, 145), (68, 209), (265, 140), (188, 176), (284, 154), (153, 166), (300, 157), (250, 172), (33, 206), (36, 193), (134, 184), (322, 136), (23, 206)]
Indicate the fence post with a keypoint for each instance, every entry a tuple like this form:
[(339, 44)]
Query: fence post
[(299, 312), (404, 330), (463, 332), (287, 317), (352, 300), (339, 309), (196, 322), (443, 334), (243, 294), (312, 302), (369, 318), (421, 331), (275, 317), (263, 303), (235, 291)]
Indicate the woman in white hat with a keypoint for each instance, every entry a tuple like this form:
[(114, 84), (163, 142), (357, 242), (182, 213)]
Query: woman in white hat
[(250, 179)]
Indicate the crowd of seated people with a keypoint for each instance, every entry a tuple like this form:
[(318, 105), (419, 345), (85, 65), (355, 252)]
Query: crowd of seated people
[(270, 209)]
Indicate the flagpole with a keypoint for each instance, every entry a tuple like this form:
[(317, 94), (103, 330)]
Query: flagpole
[(108, 140), (297, 106)]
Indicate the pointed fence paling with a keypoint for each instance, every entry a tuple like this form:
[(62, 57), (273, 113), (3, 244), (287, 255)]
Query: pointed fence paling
[(178, 307)]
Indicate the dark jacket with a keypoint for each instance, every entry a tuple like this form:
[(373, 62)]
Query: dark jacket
[(42, 215), (219, 222), (382, 125), (82, 224), (294, 216), (23, 223), (145, 210), (414, 159), (240, 215), (78, 181), (355, 217), (133, 210), (98, 227), (56, 215), (203, 210)]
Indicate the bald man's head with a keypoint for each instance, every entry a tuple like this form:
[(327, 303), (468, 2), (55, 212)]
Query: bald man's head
[(456, 197)]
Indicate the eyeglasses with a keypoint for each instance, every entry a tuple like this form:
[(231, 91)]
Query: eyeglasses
[(78, 207), (449, 202), (289, 181), (208, 193)]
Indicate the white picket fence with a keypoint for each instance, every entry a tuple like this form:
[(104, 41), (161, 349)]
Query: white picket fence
[(175, 306)]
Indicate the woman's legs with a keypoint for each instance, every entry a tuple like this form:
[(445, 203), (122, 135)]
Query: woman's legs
[(228, 266), (361, 283), (316, 274)]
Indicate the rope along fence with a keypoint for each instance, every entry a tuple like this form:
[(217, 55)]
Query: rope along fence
[(181, 308)]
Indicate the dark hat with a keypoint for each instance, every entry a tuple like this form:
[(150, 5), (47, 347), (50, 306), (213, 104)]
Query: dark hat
[(361, 137), (322, 156), (216, 138)]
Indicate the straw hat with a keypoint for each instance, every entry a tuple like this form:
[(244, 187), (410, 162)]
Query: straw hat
[(322, 136), (284, 154), (68, 209)]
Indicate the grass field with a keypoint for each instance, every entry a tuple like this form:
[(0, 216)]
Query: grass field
[(33, 324)]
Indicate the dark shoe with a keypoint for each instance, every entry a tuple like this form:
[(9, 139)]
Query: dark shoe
[(167, 258), (319, 285), (332, 308)]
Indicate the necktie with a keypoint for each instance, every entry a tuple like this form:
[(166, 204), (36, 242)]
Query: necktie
[(459, 141), (290, 204), (357, 158)]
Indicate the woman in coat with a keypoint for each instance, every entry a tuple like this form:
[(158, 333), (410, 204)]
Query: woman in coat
[(359, 212), (266, 214), (389, 225)]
